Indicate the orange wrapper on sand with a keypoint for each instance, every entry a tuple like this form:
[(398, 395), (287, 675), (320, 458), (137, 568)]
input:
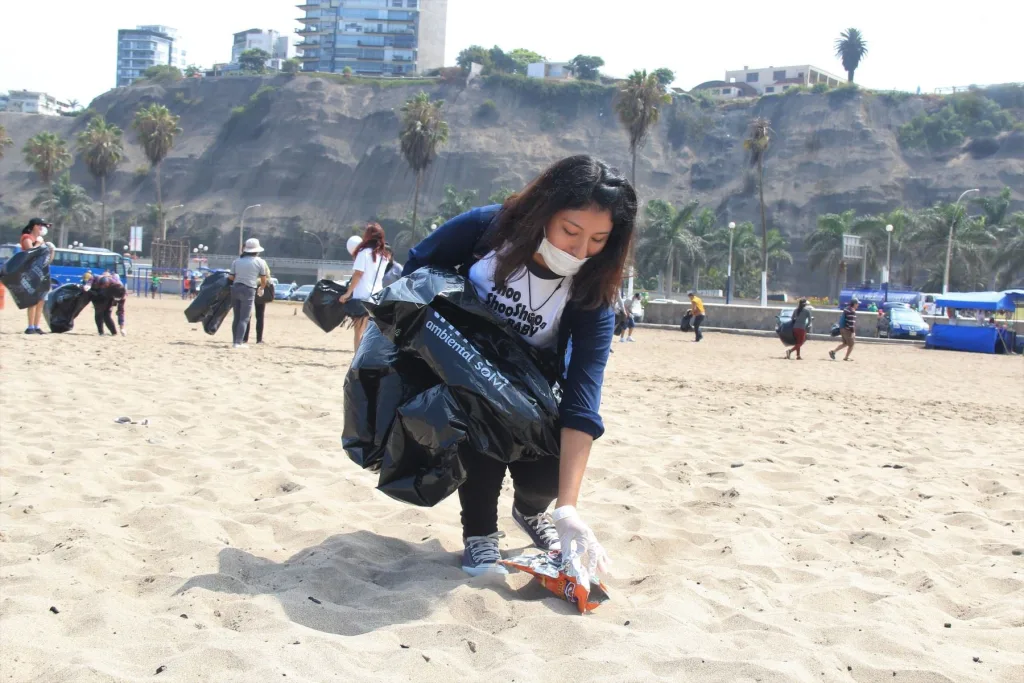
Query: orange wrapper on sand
[(562, 579)]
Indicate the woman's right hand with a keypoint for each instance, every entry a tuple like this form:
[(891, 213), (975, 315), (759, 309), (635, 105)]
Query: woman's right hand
[(344, 297), (579, 544)]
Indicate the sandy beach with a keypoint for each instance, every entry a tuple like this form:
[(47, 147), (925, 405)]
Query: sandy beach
[(768, 520)]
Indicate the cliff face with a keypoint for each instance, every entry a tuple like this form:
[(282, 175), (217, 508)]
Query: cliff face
[(320, 155)]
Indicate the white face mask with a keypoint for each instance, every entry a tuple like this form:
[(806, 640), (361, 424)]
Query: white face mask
[(558, 261), (43, 231)]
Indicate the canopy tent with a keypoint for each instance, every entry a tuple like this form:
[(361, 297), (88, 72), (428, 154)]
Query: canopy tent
[(982, 301)]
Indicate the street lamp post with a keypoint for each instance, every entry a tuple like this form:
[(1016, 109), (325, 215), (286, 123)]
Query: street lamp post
[(888, 260), (728, 277), (323, 249), (949, 245), (241, 226), (179, 206), (198, 254)]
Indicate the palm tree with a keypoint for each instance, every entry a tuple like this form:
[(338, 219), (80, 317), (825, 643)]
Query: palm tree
[(825, 244), (702, 227), (973, 246), (756, 145), (67, 203), (102, 148), (1009, 262), (423, 131), (666, 237), (876, 239), (4, 140), (156, 127), (638, 108), (851, 48), (73, 104), (777, 253), (47, 154)]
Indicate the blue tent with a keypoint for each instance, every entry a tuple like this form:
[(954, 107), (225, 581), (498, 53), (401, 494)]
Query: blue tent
[(982, 301)]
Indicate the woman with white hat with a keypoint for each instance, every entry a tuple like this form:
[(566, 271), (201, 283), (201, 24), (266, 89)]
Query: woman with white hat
[(371, 264), (249, 275)]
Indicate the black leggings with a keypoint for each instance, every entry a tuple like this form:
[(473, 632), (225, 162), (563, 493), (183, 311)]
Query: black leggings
[(104, 317), (260, 310), (698, 320), (535, 484)]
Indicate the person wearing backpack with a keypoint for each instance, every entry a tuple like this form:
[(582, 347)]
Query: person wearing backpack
[(847, 330), (549, 262)]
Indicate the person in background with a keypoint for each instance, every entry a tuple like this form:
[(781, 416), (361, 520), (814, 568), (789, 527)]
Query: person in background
[(801, 323), (260, 308), (873, 307), (558, 247), (193, 285), (31, 237), (847, 329), (154, 286), (249, 277), (184, 287), (86, 277), (882, 324), (367, 278), (107, 292), (698, 315), (634, 311)]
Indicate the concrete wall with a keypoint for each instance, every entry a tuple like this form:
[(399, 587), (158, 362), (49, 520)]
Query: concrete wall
[(757, 318)]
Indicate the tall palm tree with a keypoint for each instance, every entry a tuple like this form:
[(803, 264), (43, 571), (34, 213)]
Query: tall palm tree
[(67, 203), (825, 244), (5, 141), (876, 239), (756, 145), (777, 252), (851, 48), (638, 106), (423, 132), (102, 147), (156, 127), (47, 154), (73, 104), (667, 237)]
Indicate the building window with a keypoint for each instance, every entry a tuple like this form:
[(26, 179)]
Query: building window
[(779, 75), (770, 88), (396, 3), (412, 4), (785, 87), (753, 77), (726, 91)]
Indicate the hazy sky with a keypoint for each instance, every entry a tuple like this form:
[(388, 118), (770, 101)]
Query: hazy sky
[(69, 50)]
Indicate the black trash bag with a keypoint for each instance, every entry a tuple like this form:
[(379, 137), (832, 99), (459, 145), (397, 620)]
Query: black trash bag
[(686, 325), (786, 335), (63, 306), (322, 305), (620, 324), (499, 383), (379, 380), (212, 304), (392, 274), (26, 275), (422, 464), (835, 330), (268, 294)]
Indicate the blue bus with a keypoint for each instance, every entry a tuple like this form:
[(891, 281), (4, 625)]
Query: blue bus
[(70, 265)]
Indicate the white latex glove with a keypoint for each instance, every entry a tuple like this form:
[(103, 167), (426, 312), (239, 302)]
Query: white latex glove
[(579, 545)]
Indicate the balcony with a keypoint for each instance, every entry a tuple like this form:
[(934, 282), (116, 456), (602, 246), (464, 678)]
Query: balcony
[(310, 20), (312, 5), (309, 57), (307, 44), (311, 31)]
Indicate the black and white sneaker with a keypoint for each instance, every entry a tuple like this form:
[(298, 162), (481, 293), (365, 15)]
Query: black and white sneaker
[(539, 528), (482, 555)]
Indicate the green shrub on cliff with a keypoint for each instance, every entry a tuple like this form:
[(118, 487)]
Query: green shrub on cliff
[(968, 115)]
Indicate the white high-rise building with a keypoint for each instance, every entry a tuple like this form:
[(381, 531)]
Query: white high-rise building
[(146, 46), (270, 41)]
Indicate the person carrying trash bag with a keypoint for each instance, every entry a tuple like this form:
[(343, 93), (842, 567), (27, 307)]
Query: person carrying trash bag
[(26, 275), (548, 262), (107, 292), (212, 304)]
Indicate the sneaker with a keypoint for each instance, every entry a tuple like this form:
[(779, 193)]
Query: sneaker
[(630, 339), (30, 330), (789, 354), (832, 355), (621, 340), (482, 555), (539, 528), (38, 330)]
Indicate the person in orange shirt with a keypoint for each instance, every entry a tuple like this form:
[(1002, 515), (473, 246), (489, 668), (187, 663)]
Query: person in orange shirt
[(697, 307), (32, 237)]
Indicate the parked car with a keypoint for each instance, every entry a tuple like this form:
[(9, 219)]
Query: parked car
[(283, 290), (301, 294), (904, 323), (785, 315)]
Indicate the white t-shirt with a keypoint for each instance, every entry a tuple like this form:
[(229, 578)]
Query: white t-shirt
[(372, 269), (637, 309), (531, 302)]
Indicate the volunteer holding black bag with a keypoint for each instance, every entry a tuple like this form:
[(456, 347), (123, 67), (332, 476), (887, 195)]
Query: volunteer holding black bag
[(549, 262), (368, 271), (31, 237)]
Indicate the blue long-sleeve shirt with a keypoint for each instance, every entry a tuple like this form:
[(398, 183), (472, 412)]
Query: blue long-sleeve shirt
[(587, 334)]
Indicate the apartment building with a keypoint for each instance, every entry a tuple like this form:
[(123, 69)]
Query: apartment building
[(31, 102), (775, 79), (146, 46), (373, 37), (270, 41)]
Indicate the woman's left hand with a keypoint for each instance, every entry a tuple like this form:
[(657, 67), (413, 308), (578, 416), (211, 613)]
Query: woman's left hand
[(345, 297)]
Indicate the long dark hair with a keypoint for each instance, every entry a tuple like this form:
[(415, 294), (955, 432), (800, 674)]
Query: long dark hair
[(373, 238), (800, 307), (576, 182)]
